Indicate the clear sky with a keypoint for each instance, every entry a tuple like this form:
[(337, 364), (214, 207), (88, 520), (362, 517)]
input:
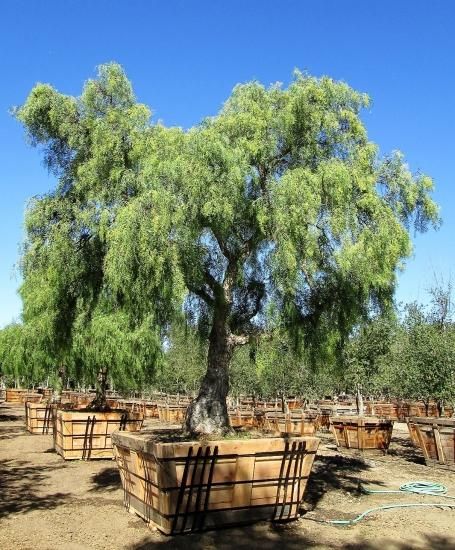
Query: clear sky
[(184, 57)]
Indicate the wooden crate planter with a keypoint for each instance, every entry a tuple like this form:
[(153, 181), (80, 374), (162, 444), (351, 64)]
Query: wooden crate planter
[(361, 432), (79, 399), (20, 396), (243, 416), (329, 411), (82, 434), (413, 433), (189, 486), (39, 417), (436, 438), (46, 393), (148, 408), (382, 410), (295, 422), (173, 414)]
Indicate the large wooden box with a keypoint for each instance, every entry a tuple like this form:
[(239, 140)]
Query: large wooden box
[(87, 435), (382, 410), (190, 486), (172, 414), (329, 411), (363, 433), (78, 399), (243, 416), (39, 417), (295, 422), (436, 438), (20, 396)]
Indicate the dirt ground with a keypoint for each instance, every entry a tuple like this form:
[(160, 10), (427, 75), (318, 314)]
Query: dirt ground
[(46, 503)]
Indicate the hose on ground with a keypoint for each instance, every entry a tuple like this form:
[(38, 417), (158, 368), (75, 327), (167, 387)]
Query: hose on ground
[(426, 488)]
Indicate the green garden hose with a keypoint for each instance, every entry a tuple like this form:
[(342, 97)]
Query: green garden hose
[(426, 488)]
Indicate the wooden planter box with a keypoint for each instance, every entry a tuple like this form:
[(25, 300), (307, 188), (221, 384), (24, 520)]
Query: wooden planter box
[(87, 435), (46, 393), (20, 396), (363, 433), (173, 414), (382, 410), (39, 417), (436, 438), (79, 399), (295, 422), (189, 486), (148, 408), (413, 433), (329, 411), (243, 416)]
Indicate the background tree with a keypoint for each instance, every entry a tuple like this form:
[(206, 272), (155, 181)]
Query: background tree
[(183, 363), (425, 356), (366, 357), (23, 361), (276, 213)]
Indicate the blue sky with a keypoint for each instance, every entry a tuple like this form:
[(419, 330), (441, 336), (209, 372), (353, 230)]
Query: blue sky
[(184, 57)]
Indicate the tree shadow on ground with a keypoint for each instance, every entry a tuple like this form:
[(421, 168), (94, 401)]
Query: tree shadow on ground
[(9, 417), (10, 432), (107, 479), (430, 542), (20, 486), (334, 472), (403, 448), (289, 537)]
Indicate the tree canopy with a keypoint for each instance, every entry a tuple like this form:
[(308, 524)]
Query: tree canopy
[(276, 213)]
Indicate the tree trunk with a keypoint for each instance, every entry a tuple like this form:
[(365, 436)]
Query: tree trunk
[(426, 403), (100, 402), (208, 413), (441, 408), (359, 400)]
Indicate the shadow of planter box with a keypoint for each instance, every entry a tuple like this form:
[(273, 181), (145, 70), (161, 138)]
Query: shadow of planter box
[(363, 433), (436, 438), (38, 417), (190, 486), (87, 435)]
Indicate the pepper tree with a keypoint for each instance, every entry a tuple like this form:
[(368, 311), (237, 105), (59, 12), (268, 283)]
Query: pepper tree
[(276, 212)]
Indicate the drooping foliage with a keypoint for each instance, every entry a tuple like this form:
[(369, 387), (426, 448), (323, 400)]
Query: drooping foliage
[(22, 360), (275, 214)]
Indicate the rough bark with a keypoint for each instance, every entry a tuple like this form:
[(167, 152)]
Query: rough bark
[(441, 408), (359, 401), (100, 402), (208, 413)]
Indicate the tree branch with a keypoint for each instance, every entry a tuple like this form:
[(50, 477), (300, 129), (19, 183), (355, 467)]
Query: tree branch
[(201, 292)]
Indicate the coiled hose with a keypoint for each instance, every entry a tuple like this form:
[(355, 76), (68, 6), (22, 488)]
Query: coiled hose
[(427, 488)]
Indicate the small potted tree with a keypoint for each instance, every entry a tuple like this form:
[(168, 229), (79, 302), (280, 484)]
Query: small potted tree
[(276, 213), (17, 359), (428, 354), (365, 360), (104, 347)]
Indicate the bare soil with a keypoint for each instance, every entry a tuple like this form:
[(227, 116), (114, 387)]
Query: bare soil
[(47, 503)]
